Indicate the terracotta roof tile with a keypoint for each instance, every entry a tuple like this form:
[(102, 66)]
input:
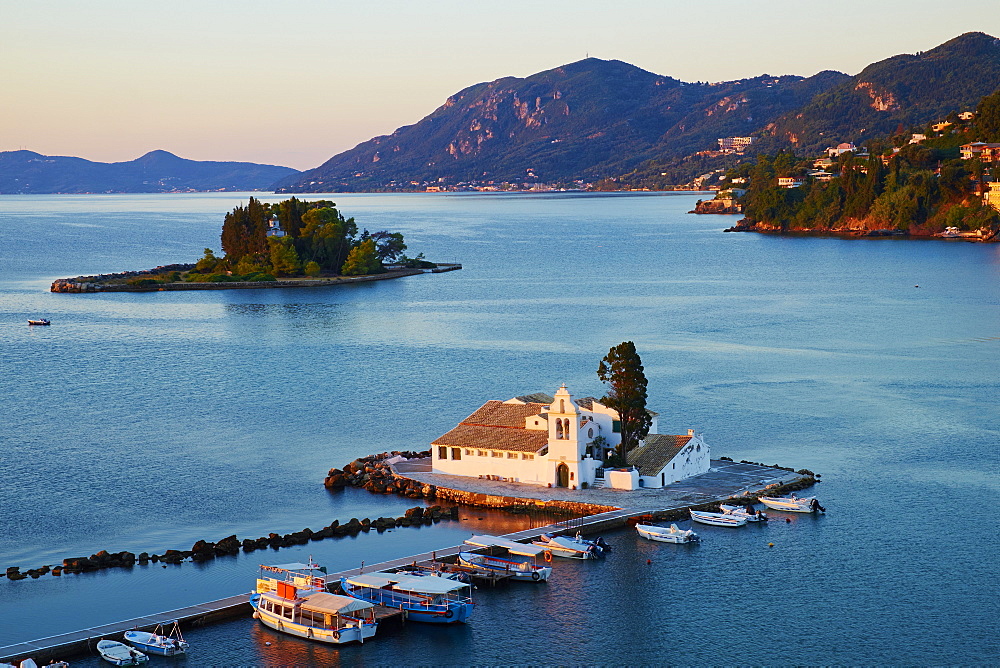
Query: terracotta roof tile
[(495, 438), (498, 414), (656, 452)]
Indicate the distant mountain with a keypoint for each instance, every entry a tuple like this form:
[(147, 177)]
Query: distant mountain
[(905, 90), (585, 120), (26, 172)]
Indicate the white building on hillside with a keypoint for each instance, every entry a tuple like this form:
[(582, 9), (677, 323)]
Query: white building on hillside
[(545, 440)]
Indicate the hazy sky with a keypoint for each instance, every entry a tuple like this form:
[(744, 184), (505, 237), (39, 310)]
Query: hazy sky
[(293, 82)]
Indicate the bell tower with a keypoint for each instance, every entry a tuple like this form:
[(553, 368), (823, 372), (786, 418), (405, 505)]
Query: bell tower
[(564, 439)]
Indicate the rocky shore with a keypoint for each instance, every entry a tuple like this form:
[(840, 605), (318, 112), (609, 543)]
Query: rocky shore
[(858, 231), (724, 206)]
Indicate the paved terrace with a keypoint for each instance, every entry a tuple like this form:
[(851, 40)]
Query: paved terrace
[(723, 480)]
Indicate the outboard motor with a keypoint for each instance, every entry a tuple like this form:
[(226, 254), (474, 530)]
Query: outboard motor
[(816, 506), (599, 542)]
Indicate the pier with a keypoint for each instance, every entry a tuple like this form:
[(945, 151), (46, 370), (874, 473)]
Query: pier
[(726, 479)]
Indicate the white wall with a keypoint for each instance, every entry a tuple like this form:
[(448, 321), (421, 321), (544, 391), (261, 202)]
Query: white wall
[(518, 469)]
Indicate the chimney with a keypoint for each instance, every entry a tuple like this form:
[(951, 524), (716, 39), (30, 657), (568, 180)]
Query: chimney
[(690, 432)]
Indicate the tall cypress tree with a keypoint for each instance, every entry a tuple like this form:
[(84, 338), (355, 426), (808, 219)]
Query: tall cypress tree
[(622, 371)]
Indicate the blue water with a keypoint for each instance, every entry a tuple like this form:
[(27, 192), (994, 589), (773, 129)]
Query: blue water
[(149, 421)]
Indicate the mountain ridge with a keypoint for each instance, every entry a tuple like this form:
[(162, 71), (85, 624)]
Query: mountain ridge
[(595, 118), (28, 172)]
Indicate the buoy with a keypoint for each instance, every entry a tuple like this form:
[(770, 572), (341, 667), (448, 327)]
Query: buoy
[(770, 544), (267, 643), (649, 561), (788, 520)]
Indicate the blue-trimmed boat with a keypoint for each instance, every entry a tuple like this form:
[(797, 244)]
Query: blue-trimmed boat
[(424, 598)]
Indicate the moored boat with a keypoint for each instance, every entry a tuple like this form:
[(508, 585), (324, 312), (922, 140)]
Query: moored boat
[(669, 534), (749, 512), (120, 654), (793, 504), (428, 597), (521, 563), (717, 519), (295, 601), (169, 644), (40, 321), (576, 547)]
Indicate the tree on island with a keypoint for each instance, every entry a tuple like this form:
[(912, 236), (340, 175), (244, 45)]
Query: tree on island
[(363, 260), (622, 371), (314, 238)]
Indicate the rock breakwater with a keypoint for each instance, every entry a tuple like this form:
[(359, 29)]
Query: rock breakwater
[(204, 550)]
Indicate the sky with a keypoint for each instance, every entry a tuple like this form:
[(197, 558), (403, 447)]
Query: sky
[(294, 82)]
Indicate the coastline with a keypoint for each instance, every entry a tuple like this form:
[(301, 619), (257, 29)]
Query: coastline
[(855, 233), (80, 285)]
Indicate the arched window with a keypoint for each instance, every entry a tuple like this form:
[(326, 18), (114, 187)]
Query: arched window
[(590, 433), (566, 427), (559, 429), (562, 405)]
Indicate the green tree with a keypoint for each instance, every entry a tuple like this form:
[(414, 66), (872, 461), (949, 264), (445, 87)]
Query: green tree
[(207, 262), (312, 268), (284, 258), (362, 260), (622, 371), (244, 231)]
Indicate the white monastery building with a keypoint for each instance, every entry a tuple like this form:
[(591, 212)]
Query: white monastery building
[(545, 440)]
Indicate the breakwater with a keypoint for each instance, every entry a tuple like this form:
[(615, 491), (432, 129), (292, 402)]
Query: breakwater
[(206, 550)]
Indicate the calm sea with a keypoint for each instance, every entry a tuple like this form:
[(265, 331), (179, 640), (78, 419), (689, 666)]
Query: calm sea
[(145, 422)]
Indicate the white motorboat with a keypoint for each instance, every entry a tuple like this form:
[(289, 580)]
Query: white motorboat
[(749, 512), (718, 519), (521, 563), (428, 597), (793, 504), (294, 600), (40, 321), (169, 644), (950, 233), (570, 548), (669, 534), (120, 654)]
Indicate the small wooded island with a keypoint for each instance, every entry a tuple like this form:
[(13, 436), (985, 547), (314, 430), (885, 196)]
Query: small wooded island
[(293, 243)]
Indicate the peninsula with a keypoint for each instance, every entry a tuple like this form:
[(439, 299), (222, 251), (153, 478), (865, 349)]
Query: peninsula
[(290, 244)]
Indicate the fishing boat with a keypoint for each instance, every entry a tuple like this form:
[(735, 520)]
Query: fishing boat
[(292, 598), (718, 519), (576, 547), (669, 534), (429, 597), (521, 563), (749, 512), (40, 321), (120, 654), (793, 504), (169, 644)]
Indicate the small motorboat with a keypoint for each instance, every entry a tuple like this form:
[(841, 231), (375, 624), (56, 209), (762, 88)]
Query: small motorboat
[(157, 643), (669, 534), (748, 511), (718, 519), (571, 548), (40, 321), (120, 654), (793, 504), (521, 563)]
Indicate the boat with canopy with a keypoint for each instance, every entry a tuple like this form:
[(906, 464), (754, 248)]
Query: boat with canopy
[(425, 598), (521, 563), (292, 598)]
